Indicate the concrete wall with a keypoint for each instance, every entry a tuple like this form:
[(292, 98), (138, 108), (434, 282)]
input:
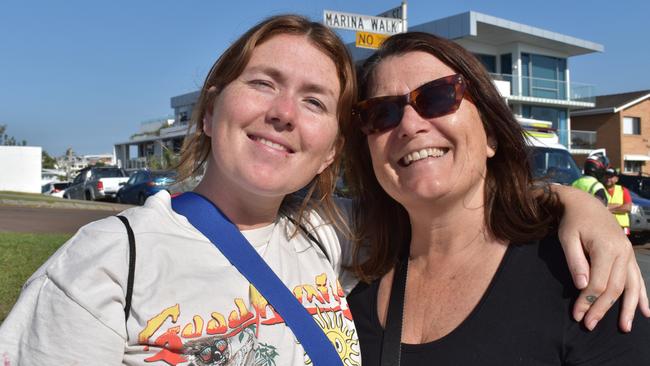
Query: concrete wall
[(638, 144), (20, 169), (608, 135), (609, 129)]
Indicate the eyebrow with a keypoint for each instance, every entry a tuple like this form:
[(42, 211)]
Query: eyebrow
[(280, 76)]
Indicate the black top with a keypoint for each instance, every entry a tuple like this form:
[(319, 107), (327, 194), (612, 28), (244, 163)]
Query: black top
[(524, 318)]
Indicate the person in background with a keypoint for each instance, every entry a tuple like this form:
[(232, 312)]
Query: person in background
[(620, 201), (591, 181)]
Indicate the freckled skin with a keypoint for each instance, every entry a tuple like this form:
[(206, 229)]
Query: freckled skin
[(285, 99)]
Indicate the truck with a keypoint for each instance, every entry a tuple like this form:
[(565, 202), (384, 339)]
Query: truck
[(96, 183), (549, 159)]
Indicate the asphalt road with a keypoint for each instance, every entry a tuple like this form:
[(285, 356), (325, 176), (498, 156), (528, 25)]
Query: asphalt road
[(643, 257), (47, 220)]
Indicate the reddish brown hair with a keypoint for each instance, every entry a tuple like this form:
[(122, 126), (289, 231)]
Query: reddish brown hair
[(196, 147)]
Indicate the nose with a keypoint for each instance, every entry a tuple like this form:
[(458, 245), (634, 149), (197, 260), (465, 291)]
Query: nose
[(412, 123), (282, 112)]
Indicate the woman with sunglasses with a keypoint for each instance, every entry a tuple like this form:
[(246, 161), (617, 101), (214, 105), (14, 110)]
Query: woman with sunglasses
[(266, 125), (462, 264)]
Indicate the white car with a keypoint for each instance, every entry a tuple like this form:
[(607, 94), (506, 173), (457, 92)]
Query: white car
[(55, 189)]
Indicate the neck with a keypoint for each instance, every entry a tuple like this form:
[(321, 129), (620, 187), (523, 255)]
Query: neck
[(443, 230), (245, 211)]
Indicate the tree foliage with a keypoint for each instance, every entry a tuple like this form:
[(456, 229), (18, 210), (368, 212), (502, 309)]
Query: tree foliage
[(47, 161), (7, 140)]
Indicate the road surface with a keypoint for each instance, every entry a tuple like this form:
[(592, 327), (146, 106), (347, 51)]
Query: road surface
[(47, 220)]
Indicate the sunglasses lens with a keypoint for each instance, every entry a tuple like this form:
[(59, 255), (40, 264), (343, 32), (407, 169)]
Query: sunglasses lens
[(382, 115), (436, 101)]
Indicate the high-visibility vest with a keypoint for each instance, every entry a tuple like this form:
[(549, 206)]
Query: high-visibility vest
[(590, 185), (617, 199)]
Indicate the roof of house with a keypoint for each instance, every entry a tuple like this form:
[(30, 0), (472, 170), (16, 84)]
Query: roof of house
[(490, 30), (614, 103)]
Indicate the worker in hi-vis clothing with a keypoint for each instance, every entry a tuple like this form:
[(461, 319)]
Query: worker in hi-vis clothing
[(591, 181), (620, 200)]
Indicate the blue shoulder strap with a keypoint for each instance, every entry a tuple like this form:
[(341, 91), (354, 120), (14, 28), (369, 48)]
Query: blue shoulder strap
[(212, 223)]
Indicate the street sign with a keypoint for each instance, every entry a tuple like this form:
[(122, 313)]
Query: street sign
[(362, 23), (370, 40)]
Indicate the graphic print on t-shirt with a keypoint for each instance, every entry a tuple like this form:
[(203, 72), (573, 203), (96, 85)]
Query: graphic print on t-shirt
[(231, 337)]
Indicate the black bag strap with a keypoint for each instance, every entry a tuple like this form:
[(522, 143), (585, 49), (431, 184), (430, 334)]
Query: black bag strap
[(310, 236), (129, 282), (391, 349)]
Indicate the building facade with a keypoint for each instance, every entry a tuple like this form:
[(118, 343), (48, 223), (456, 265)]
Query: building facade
[(619, 123), (530, 65)]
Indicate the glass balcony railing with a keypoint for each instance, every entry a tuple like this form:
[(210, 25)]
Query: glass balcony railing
[(544, 88), (583, 139)]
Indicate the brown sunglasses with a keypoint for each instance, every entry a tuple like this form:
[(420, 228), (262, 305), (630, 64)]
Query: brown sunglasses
[(434, 99)]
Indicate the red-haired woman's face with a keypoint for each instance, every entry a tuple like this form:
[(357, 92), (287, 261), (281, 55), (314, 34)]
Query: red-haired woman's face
[(273, 128), (423, 160)]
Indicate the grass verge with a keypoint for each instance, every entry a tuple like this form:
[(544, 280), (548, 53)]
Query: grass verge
[(20, 255), (8, 198)]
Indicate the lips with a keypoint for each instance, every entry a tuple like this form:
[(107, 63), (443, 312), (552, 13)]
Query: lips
[(425, 153), (275, 145)]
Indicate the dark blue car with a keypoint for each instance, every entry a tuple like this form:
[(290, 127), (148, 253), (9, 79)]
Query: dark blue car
[(144, 183)]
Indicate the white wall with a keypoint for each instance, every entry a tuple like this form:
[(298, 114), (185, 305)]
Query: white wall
[(20, 169)]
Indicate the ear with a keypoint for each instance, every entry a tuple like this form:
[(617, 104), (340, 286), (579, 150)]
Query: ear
[(207, 123), (329, 159), (491, 147)]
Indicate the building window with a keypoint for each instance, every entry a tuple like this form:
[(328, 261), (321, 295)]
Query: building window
[(632, 125), (506, 64), (633, 166), (543, 76), (488, 61)]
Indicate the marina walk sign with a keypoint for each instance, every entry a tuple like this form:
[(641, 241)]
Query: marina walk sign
[(362, 23), (371, 30)]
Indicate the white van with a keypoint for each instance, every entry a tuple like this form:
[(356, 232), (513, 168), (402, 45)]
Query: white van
[(549, 159)]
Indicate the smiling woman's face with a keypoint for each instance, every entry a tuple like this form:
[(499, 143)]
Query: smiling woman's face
[(273, 128), (425, 160)]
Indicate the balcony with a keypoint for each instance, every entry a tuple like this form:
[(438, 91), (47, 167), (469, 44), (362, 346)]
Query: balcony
[(583, 142), (545, 91)]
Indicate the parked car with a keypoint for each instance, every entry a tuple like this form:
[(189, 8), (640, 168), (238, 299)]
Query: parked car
[(96, 183), (549, 160), (636, 183), (143, 184), (639, 218), (55, 189)]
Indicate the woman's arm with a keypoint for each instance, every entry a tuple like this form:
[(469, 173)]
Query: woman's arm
[(589, 230)]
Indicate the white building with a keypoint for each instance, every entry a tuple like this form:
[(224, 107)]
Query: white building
[(153, 138), (529, 65), (20, 168)]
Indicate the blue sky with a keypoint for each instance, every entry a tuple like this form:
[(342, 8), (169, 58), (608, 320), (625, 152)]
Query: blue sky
[(84, 74)]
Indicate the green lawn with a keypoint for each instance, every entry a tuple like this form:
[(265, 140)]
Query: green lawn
[(20, 255)]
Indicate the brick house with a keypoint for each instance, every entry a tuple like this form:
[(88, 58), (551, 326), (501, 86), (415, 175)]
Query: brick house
[(619, 123)]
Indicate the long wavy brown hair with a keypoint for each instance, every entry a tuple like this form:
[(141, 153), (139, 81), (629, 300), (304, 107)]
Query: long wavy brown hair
[(196, 147), (516, 208)]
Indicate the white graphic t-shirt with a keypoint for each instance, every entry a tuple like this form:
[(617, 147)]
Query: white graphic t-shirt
[(189, 305)]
